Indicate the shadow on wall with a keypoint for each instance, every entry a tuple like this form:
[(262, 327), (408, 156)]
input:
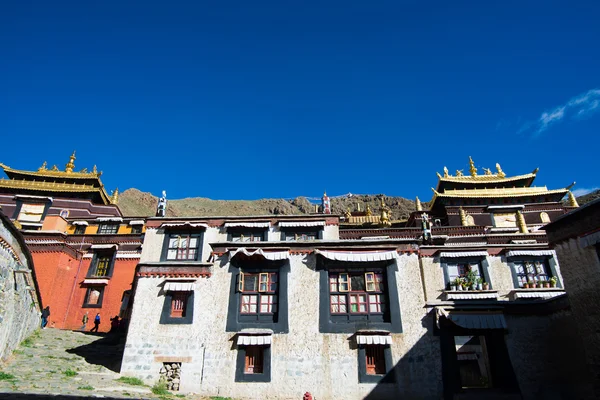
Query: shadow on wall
[(418, 373), (106, 351)]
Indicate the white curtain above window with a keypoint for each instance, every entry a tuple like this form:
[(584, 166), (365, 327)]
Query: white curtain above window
[(253, 340), (179, 286), (269, 255), (514, 253), (284, 224), (373, 339), (358, 256), (183, 225), (455, 254), (247, 224)]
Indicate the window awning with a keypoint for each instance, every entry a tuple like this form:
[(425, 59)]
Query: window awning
[(95, 281), (290, 224), (109, 219), (373, 339), (478, 321), (515, 253), (136, 222), (358, 256), (183, 225), (179, 286), (104, 246), (269, 255), (256, 340), (457, 254), (247, 224), (83, 223), (589, 240)]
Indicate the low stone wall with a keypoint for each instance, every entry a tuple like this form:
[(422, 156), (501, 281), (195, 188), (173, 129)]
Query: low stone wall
[(19, 305)]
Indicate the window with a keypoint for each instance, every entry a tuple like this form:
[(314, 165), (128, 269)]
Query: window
[(357, 292), (183, 247), (79, 229), (375, 359), (178, 304), (254, 360), (247, 236), (253, 363), (461, 270), (178, 307), (136, 229), (531, 271), (473, 362), (31, 212), (93, 296), (108, 229), (258, 293), (101, 265), (304, 235)]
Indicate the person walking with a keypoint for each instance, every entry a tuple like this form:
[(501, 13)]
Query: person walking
[(45, 315), (96, 323), (84, 321)]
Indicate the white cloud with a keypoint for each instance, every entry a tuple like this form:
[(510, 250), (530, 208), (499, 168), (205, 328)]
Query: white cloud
[(578, 107), (584, 191)]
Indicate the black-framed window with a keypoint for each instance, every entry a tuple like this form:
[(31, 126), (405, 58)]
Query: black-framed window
[(253, 363), (93, 296), (178, 307), (375, 363), (183, 247), (461, 266), (108, 229), (534, 269), (136, 229), (357, 291), (102, 265), (247, 236), (79, 229), (358, 295), (301, 234), (258, 297)]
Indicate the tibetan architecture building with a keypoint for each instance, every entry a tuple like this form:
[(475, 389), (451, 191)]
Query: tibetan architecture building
[(464, 299), (84, 250)]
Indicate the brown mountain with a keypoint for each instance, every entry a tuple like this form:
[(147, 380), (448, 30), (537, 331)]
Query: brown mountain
[(586, 198), (136, 203)]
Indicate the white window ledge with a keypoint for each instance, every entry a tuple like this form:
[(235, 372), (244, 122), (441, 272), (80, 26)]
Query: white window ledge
[(470, 294), (537, 293)]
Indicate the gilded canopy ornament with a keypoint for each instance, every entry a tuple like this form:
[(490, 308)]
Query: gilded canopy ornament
[(472, 169), (71, 164)]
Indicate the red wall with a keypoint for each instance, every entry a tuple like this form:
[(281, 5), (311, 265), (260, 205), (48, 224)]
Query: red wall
[(60, 279)]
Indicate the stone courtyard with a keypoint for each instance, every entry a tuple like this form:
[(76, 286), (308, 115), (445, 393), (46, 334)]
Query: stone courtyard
[(57, 364)]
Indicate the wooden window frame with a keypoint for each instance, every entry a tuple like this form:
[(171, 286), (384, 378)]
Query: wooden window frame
[(182, 253), (108, 229), (88, 291), (241, 374), (179, 304), (79, 230), (343, 281), (547, 273), (254, 360), (107, 259), (375, 359), (271, 281)]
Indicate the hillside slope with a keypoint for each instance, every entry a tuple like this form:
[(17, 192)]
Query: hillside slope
[(136, 203)]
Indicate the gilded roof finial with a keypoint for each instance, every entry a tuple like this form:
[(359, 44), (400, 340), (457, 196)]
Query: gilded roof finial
[(348, 214), (487, 171), (501, 173), (572, 200), (54, 168), (368, 212), (521, 222), (94, 170), (445, 172), (384, 215), (463, 216), (419, 206), (71, 164), (472, 168), (115, 196), (43, 167), (459, 172)]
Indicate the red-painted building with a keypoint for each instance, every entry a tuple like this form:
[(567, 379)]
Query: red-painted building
[(84, 250)]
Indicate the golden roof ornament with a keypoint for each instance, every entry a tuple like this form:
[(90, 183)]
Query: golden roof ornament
[(71, 164), (572, 200), (115, 196), (54, 168), (487, 171), (463, 217), (500, 173), (418, 204), (43, 167), (369, 212), (347, 214), (384, 215), (521, 222), (472, 168), (459, 172), (445, 172), (94, 170)]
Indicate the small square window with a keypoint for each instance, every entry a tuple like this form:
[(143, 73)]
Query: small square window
[(108, 229), (375, 359), (254, 360), (79, 229), (375, 363), (93, 296), (136, 229), (179, 304), (101, 265), (253, 363), (178, 307)]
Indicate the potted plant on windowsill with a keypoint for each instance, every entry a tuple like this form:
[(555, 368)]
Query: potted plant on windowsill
[(553, 281), (471, 278), (530, 284), (479, 284), (547, 284), (540, 284), (486, 286)]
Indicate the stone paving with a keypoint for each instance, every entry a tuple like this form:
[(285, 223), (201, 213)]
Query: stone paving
[(63, 364)]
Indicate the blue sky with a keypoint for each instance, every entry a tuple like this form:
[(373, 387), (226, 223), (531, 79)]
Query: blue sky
[(245, 100)]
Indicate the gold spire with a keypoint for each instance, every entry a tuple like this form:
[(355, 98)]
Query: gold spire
[(572, 200), (368, 212), (384, 215), (472, 168), (43, 167), (419, 205), (463, 217), (115, 196), (70, 165), (521, 222), (445, 172)]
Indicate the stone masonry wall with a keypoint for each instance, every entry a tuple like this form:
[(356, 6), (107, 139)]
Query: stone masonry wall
[(303, 360), (19, 311)]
